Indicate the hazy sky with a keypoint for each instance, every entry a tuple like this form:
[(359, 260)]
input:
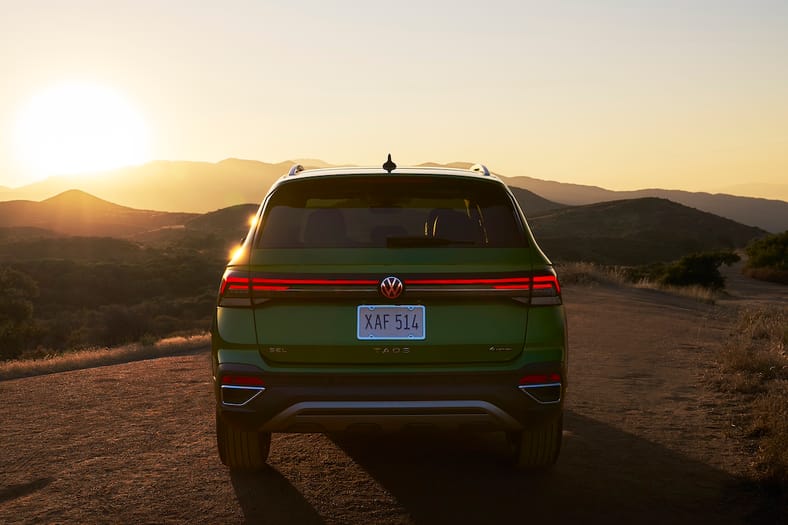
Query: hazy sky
[(621, 94)]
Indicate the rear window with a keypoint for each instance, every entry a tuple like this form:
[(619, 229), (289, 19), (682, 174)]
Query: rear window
[(393, 212)]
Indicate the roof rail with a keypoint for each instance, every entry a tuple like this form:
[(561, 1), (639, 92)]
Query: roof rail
[(481, 168), (295, 170)]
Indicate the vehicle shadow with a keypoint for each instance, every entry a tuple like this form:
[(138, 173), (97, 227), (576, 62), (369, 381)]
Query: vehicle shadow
[(267, 497), (604, 474), (23, 489)]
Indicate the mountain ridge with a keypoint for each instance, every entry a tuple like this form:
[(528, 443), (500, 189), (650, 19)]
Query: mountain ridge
[(636, 231), (79, 198), (769, 214), (199, 187), (75, 212), (630, 231)]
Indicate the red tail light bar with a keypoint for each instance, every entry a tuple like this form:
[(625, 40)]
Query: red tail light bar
[(544, 289), (504, 283), (239, 289), (287, 283), (231, 283)]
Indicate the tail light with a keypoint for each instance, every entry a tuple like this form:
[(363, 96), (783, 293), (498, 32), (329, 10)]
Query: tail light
[(545, 290), (242, 289), (239, 289), (538, 289), (235, 289)]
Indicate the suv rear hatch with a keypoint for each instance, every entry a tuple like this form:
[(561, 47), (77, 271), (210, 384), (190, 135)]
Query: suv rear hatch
[(456, 249)]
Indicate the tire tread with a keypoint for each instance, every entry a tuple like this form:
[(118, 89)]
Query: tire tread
[(538, 448), (242, 450)]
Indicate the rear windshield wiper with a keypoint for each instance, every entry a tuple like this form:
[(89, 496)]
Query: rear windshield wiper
[(407, 242)]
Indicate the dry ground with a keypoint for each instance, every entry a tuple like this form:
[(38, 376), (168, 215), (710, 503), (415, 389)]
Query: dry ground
[(646, 441)]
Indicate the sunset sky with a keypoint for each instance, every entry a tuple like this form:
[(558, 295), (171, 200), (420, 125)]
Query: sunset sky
[(619, 94)]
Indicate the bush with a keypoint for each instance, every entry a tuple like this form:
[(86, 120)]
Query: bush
[(50, 304), (767, 258), (17, 290), (769, 252), (700, 269)]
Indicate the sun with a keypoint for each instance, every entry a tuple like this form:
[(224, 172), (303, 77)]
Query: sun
[(79, 128)]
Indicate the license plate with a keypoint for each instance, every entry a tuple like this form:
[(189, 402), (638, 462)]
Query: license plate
[(390, 322)]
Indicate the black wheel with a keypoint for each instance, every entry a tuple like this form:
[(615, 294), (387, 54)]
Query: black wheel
[(538, 448), (241, 450)]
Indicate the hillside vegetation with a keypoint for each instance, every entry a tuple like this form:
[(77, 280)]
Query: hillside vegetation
[(158, 272), (768, 258), (635, 232), (69, 293), (65, 304)]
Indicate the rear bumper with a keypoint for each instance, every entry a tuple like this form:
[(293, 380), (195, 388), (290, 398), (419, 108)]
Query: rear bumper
[(390, 402)]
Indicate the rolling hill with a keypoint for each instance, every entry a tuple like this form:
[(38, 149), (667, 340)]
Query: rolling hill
[(232, 221), (532, 204), (24, 233), (771, 215), (72, 249), (203, 186), (626, 232), (169, 185), (635, 232), (75, 212), (757, 189)]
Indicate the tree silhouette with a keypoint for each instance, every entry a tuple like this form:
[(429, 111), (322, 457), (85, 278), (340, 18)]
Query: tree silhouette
[(700, 268), (17, 290)]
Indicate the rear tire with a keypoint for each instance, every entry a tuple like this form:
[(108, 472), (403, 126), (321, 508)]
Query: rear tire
[(241, 450), (538, 448)]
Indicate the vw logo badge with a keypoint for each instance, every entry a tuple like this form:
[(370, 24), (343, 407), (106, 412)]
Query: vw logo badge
[(391, 287)]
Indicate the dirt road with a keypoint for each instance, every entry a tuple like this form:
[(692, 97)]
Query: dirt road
[(646, 442)]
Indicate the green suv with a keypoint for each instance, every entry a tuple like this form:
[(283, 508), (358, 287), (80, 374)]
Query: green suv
[(368, 299)]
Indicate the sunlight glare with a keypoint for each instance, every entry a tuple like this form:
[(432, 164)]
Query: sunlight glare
[(80, 128), (236, 253)]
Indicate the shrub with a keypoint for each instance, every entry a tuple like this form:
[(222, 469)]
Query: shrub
[(61, 304), (769, 252), (698, 269), (16, 311), (767, 258)]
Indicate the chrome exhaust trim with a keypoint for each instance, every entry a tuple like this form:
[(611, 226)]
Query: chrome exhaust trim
[(544, 394), (240, 395)]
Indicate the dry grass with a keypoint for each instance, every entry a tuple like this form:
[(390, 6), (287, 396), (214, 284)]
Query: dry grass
[(699, 293), (768, 274), (770, 422), (100, 356), (590, 273), (754, 365)]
